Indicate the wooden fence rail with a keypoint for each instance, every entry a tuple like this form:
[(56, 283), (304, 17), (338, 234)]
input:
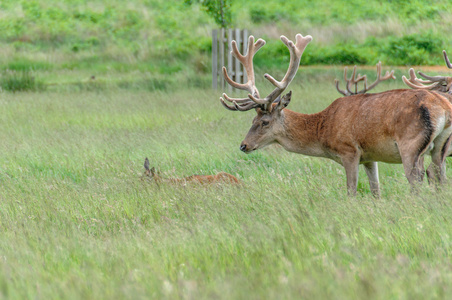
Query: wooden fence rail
[(221, 56)]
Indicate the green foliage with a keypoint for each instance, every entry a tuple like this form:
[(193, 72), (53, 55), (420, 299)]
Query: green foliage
[(261, 14), (24, 64), (171, 38), (336, 55), (219, 10), (414, 49), (340, 12), (16, 81)]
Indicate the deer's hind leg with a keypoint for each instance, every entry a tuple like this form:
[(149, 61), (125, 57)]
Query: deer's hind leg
[(371, 169), (413, 170), (412, 153), (436, 171)]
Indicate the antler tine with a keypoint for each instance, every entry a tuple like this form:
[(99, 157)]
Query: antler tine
[(449, 65), (379, 79), (354, 80), (247, 62), (244, 107), (423, 81), (415, 83), (349, 82), (358, 79), (388, 75), (296, 51), (226, 105), (430, 79), (345, 74), (243, 104), (237, 100), (338, 89), (411, 82)]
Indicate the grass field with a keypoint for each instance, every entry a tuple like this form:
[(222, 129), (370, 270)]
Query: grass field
[(76, 221)]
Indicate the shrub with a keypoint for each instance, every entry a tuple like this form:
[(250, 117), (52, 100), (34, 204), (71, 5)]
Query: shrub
[(16, 81), (337, 55), (25, 65), (414, 49)]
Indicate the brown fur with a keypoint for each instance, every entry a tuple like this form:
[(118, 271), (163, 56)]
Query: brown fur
[(222, 177), (397, 126)]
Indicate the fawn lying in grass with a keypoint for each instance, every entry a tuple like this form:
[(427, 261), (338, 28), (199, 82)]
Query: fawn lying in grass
[(221, 177)]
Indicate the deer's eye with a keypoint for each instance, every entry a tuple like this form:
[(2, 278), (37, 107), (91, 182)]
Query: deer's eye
[(265, 123)]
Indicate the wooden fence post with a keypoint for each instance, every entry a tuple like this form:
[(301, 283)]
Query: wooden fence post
[(214, 59), (230, 58), (221, 62), (221, 43), (238, 66)]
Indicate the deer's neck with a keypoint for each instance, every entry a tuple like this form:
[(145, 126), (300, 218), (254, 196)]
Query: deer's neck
[(301, 133)]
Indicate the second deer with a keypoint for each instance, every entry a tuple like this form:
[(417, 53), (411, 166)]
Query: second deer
[(221, 177)]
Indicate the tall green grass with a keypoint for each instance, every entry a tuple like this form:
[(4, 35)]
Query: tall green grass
[(15, 81), (77, 222)]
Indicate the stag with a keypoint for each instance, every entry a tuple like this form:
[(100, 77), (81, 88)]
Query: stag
[(222, 177), (396, 126)]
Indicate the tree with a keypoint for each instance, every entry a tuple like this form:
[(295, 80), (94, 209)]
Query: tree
[(219, 10)]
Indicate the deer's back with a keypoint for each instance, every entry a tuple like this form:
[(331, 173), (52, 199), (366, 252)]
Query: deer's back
[(377, 123), (206, 179)]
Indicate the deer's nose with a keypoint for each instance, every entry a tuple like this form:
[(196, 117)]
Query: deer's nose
[(243, 147)]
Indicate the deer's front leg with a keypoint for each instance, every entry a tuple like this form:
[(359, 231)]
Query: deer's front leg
[(351, 165)]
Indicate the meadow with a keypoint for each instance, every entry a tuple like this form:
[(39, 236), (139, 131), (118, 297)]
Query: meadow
[(91, 88), (77, 222)]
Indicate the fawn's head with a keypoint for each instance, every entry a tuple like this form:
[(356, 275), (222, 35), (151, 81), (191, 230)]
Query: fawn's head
[(149, 173)]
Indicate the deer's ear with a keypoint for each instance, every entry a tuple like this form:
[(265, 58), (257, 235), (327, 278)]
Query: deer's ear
[(283, 101), (153, 171)]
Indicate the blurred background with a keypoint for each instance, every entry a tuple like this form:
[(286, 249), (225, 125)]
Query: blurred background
[(161, 44)]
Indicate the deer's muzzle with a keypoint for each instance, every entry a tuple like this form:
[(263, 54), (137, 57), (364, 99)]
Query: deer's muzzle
[(246, 148)]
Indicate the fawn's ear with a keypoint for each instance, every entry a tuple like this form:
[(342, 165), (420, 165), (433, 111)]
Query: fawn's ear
[(153, 173), (146, 164), (147, 171)]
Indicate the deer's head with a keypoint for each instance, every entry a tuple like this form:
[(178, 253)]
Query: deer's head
[(150, 173), (267, 126), (269, 122)]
